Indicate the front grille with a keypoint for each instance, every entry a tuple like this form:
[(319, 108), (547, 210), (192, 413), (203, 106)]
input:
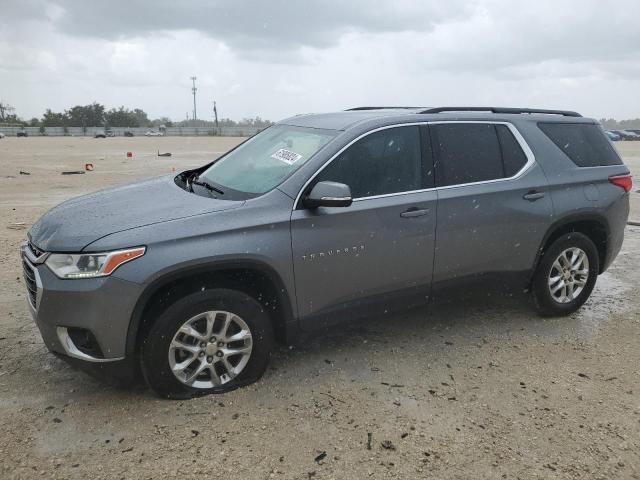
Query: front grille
[(35, 250), (30, 280)]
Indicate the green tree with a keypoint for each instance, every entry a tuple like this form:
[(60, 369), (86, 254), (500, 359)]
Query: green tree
[(632, 123), (6, 111), (86, 115), (54, 119), (166, 121), (121, 117), (613, 124), (141, 116), (13, 119)]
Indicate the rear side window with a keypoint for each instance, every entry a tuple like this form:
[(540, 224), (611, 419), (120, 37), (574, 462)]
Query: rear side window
[(584, 143), (475, 152), (387, 161), (466, 153)]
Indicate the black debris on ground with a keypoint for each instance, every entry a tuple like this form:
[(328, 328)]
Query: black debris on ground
[(320, 457)]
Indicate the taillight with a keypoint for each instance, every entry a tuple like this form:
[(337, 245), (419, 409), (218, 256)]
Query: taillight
[(622, 181)]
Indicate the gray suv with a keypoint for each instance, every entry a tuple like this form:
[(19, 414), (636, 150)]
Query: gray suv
[(191, 279)]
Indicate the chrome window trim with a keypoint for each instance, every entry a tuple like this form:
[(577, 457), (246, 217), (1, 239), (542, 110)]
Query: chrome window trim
[(338, 199), (516, 133)]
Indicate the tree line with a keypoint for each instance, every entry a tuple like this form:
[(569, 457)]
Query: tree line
[(96, 115), (612, 124)]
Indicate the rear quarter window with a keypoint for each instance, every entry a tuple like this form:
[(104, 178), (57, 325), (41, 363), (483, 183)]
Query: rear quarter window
[(513, 157), (584, 143)]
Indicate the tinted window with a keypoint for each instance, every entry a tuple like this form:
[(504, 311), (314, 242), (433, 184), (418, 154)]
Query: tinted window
[(513, 157), (466, 153), (387, 161), (584, 143)]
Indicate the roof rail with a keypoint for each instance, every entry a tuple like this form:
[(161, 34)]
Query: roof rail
[(564, 113), (355, 109)]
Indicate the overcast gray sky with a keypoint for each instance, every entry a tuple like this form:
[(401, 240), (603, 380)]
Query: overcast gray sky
[(277, 58)]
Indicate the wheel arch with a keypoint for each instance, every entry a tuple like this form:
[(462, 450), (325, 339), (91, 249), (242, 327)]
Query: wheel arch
[(594, 226), (255, 278)]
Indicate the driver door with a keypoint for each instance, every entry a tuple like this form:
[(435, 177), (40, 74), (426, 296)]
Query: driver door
[(378, 252)]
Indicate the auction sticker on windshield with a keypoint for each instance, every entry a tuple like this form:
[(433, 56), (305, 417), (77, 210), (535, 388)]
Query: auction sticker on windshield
[(286, 156)]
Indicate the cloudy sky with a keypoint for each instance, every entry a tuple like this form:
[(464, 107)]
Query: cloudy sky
[(277, 58)]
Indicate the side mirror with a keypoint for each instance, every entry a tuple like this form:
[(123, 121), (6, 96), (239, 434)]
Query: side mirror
[(328, 194)]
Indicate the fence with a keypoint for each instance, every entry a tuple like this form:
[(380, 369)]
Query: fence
[(138, 132)]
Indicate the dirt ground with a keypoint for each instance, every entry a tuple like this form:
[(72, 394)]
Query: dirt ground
[(476, 389)]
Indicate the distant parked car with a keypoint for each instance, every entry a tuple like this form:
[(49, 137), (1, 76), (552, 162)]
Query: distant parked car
[(627, 135), (630, 134), (128, 134), (614, 137), (22, 133), (634, 130), (100, 134), (1, 135), (110, 133), (152, 133)]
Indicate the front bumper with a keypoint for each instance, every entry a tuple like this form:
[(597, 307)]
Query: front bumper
[(102, 306)]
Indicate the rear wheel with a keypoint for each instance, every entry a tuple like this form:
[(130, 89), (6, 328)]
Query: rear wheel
[(566, 275), (208, 342)]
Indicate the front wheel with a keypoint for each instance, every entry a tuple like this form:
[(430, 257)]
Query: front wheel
[(566, 275), (208, 342)]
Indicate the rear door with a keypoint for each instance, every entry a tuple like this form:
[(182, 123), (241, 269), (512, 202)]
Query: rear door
[(380, 248), (493, 204)]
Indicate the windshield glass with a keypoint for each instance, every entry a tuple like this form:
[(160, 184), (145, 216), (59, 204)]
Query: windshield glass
[(262, 162)]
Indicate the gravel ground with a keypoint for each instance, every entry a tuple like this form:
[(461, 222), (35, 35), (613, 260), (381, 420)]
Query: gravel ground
[(476, 389)]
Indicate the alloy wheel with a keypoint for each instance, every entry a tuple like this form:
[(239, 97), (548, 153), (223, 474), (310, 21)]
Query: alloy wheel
[(210, 349), (569, 274)]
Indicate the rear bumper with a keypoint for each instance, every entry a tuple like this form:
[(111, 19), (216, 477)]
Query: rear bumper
[(618, 215)]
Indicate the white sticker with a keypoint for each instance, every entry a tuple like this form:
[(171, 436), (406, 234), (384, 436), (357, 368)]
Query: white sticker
[(286, 156)]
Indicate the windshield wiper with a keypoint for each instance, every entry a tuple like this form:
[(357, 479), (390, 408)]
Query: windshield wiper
[(205, 184)]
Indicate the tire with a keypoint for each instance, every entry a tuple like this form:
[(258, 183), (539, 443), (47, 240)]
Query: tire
[(555, 304), (159, 346)]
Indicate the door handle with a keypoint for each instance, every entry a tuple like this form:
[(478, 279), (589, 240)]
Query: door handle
[(414, 212), (533, 195)]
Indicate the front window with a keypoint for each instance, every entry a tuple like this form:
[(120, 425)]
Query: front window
[(383, 162), (264, 161)]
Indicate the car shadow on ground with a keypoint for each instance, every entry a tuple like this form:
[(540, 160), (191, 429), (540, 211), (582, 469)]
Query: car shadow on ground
[(459, 321)]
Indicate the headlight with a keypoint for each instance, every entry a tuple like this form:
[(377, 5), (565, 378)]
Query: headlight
[(90, 265)]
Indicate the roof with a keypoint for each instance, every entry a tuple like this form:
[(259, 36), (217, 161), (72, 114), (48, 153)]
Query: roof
[(345, 119)]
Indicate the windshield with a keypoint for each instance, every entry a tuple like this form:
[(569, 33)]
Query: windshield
[(262, 162)]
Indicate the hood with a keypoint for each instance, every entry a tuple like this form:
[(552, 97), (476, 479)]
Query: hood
[(76, 223)]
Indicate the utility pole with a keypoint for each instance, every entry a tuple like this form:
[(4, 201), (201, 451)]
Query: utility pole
[(215, 115), (194, 89)]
